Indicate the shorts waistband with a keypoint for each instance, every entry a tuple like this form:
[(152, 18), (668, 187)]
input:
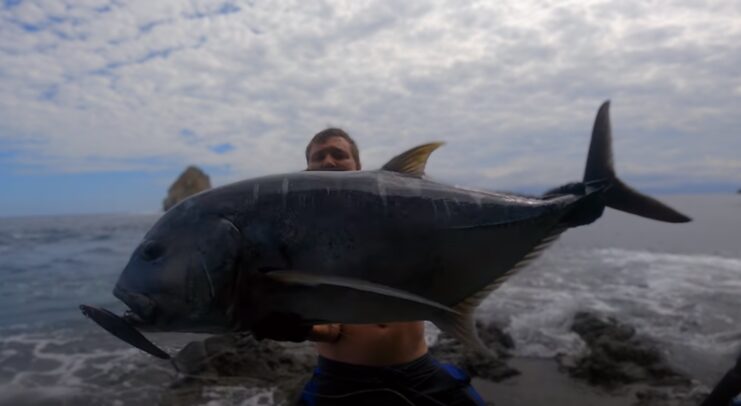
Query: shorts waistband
[(421, 365)]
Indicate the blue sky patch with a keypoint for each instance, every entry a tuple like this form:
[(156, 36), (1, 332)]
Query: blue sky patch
[(188, 135), (157, 53), (11, 3), (27, 27), (228, 8), (222, 148), (100, 192), (224, 9), (147, 27), (50, 93)]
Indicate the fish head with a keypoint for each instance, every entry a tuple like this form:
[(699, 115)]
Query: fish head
[(175, 277)]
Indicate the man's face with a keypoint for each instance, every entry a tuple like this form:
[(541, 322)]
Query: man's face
[(333, 155)]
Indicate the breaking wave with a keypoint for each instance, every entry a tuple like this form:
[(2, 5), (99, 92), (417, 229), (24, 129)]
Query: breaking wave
[(688, 303)]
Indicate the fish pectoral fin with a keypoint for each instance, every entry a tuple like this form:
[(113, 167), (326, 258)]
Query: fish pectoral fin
[(458, 322), (307, 279), (412, 162)]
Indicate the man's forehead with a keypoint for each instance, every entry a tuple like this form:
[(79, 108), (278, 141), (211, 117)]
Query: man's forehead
[(336, 142)]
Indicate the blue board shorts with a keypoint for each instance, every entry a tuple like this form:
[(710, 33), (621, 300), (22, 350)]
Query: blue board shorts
[(423, 381)]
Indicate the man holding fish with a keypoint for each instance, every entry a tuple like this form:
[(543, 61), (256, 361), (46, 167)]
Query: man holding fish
[(370, 364)]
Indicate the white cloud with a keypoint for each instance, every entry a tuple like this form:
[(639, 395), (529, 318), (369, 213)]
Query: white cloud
[(101, 86)]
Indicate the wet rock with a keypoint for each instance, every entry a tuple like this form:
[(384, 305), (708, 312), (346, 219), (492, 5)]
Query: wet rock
[(242, 355), (681, 396), (238, 360), (190, 182), (448, 349), (618, 356)]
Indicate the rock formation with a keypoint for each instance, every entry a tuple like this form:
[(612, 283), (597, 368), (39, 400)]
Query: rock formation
[(240, 360), (618, 357), (190, 182)]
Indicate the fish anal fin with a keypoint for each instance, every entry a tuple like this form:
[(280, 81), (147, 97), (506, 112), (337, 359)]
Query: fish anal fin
[(310, 279), (413, 161), (462, 324)]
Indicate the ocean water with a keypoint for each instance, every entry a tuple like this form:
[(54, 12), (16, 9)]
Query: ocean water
[(679, 285)]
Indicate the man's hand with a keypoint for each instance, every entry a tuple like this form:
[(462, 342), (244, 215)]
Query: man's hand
[(289, 327), (327, 333), (282, 327)]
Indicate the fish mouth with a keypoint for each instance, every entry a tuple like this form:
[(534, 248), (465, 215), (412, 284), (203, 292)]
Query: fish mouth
[(142, 311), (135, 320)]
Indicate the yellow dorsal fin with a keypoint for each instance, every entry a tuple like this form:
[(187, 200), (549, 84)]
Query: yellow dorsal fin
[(413, 161)]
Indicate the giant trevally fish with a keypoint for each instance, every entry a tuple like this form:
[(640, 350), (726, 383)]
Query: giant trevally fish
[(352, 247)]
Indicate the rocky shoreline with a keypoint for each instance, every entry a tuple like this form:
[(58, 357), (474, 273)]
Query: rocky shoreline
[(618, 364), (618, 359)]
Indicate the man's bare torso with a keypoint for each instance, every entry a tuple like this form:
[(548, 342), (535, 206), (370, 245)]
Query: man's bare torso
[(377, 344)]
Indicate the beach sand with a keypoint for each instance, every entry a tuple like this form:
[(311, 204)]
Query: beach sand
[(541, 383)]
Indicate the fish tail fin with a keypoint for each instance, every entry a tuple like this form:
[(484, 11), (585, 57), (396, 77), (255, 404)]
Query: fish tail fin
[(599, 174), (601, 186), (620, 196)]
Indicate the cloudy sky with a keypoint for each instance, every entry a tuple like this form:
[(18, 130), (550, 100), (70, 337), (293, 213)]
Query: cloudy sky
[(103, 103)]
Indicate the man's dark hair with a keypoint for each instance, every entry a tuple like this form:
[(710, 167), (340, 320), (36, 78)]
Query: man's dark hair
[(322, 136)]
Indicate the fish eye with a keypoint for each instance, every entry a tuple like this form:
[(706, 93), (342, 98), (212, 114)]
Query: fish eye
[(152, 250)]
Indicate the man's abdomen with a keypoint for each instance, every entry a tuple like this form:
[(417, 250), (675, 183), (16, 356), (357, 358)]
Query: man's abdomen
[(377, 344)]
